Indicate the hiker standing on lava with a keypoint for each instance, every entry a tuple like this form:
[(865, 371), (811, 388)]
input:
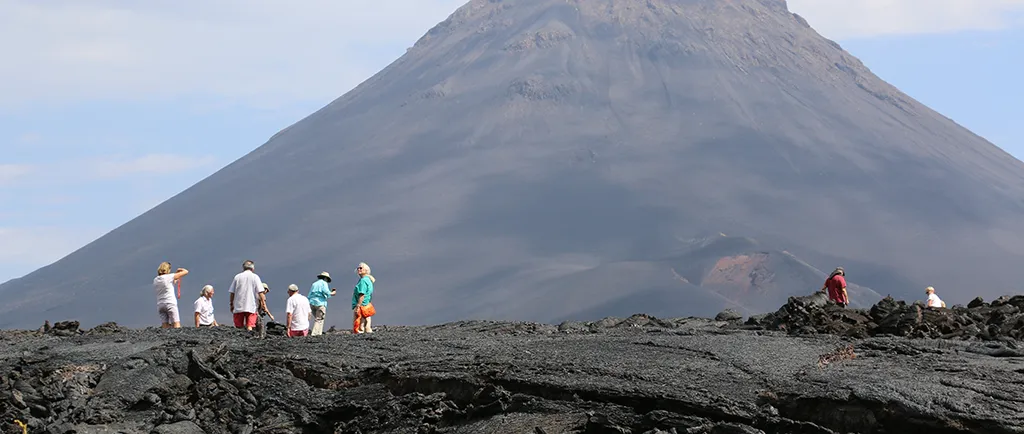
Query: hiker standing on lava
[(261, 326), (246, 291), (362, 309), (835, 286), (166, 302), (203, 308), (318, 295), (298, 312), (933, 300)]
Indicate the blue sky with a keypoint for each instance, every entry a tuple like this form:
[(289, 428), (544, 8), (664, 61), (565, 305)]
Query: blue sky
[(110, 108)]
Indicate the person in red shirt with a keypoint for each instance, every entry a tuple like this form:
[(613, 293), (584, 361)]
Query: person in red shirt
[(835, 287)]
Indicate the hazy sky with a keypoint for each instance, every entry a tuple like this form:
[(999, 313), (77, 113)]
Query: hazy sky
[(109, 107)]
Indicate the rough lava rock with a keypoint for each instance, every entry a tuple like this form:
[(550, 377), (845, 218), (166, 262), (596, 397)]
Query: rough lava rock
[(728, 315), (810, 368), (1001, 320)]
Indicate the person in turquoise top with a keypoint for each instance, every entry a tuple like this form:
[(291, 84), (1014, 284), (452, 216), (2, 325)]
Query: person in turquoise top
[(318, 295), (362, 308)]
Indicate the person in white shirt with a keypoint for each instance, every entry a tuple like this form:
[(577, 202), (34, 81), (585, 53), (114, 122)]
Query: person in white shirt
[(203, 308), (298, 311), (246, 291), (933, 300), (166, 302)]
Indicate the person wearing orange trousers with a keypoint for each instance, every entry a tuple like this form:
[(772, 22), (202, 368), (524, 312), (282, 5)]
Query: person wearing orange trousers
[(362, 307)]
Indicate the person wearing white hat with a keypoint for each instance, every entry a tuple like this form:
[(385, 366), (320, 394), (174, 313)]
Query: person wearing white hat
[(318, 295), (933, 300), (298, 312)]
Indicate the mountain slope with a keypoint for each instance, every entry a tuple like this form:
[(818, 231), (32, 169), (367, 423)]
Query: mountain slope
[(521, 142)]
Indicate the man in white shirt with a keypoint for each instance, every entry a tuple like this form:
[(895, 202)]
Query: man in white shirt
[(933, 300), (298, 311), (203, 308), (246, 289)]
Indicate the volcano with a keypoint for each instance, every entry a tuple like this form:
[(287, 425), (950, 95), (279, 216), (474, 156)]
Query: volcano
[(559, 159)]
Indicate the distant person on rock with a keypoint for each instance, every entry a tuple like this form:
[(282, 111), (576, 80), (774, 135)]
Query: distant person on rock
[(362, 308), (203, 308), (246, 291), (318, 295), (166, 301), (298, 312), (933, 300), (835, 287)]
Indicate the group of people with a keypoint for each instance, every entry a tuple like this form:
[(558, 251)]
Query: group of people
[(835, 287), (248, 301)]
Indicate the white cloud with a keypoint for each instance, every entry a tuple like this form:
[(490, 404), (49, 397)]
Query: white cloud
[(153, 164), (12, 172), (256, 50), (31, 247), (29, 138), (101, 168), (846, 19)]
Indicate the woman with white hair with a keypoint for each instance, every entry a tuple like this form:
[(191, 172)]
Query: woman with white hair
[(362, 308), (933, 300), (203, 308)]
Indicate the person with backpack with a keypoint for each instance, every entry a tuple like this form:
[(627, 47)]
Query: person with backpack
[(835, 287)]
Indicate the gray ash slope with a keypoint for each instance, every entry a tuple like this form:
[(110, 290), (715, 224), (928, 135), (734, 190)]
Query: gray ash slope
[(521, 142), (635, 375)]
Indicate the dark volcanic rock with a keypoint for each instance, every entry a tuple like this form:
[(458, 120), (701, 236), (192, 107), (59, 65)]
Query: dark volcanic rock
[(634, 375), (812, 314), (977, 302), (728, 315), (555, 152), (107, 328), (64, 328)]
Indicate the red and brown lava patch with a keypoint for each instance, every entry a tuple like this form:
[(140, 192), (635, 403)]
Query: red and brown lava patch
[(742, 272)]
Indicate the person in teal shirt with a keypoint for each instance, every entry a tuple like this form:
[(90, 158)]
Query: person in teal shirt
[(318, 295), (362, 294)]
